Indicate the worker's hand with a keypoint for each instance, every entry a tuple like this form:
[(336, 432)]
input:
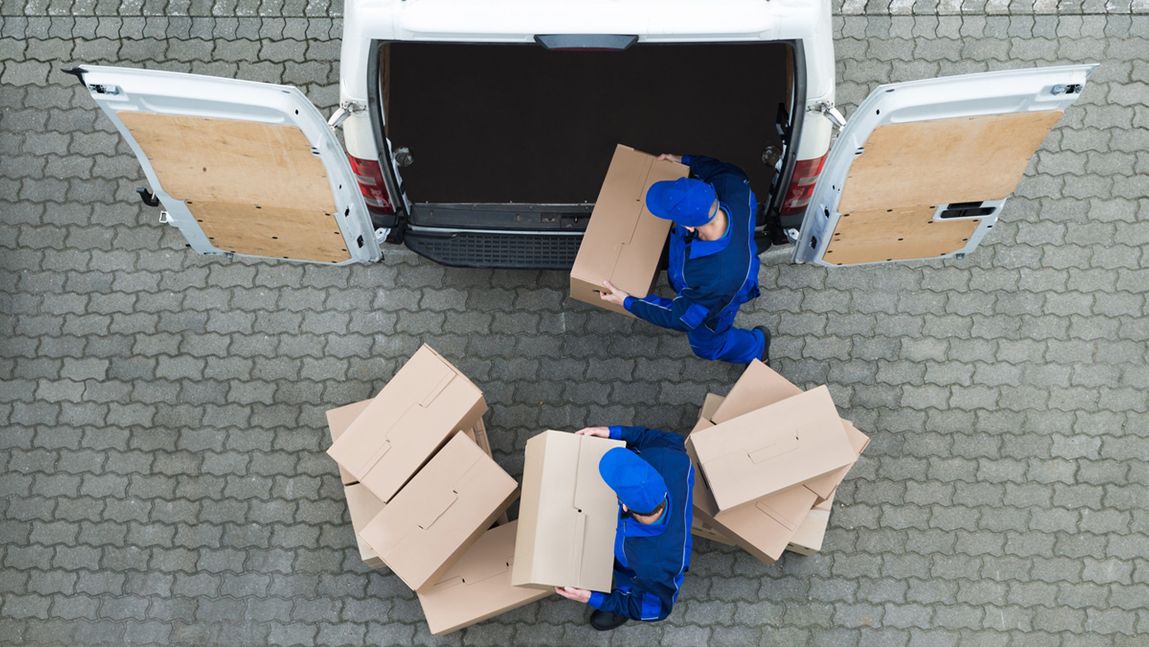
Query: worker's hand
[(602, 432), (612, 294), (671, 157), (571, 593)]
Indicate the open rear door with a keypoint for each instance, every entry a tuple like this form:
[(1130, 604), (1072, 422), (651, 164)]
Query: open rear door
[(241, 168), (922, 169)]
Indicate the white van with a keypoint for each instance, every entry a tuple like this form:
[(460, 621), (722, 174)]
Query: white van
[(477, 132)]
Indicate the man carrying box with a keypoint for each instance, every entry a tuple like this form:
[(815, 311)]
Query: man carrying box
[(654, 481), (713, 261)]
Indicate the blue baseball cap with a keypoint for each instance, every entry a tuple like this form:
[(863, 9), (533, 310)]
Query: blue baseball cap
[(687, 202), (638, 485)]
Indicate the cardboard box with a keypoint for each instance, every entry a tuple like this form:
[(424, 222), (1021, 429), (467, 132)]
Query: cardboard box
[(338, 420), (623, 241), (808, 539), (567, 516), (439, 512), (478, 585), (418, 411), (363, 507), (770, 449), (760, 386)]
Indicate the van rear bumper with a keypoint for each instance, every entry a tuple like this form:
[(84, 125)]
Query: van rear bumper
[(495, 249)]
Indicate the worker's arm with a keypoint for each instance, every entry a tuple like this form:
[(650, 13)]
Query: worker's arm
[(682, 313), (709, 169), (645, 437), (645, 601)]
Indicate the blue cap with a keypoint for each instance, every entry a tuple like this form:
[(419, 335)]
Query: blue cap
[(685, 201), (638, 485)]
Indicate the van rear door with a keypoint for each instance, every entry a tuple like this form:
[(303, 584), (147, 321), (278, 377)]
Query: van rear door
[(241, 168), (921, 169)]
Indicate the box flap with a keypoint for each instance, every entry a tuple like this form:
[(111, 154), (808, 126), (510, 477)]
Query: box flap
[(426, 401), (454, 498), (772, 448), (477, 586), (709, 405), (567, 516)]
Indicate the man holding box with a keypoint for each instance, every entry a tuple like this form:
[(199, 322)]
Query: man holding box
[(713, 261), (654, 481)]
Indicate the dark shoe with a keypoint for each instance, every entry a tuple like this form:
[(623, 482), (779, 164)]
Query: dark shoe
[(765, 347), (605, 620)]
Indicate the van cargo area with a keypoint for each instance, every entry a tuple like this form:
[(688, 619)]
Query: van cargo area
[(506, 123)]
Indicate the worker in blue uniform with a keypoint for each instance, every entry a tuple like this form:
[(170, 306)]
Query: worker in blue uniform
[(654, 481), (713, 266)]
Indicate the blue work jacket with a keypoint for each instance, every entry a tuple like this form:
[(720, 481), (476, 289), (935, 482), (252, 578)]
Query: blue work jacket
[(711, 278), (651, 560)]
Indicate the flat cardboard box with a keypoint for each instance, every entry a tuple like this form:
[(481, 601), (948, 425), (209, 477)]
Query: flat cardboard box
[(338, 420), (478, 585), (418, 411), (772, 448), (363, 507), (808, 539), (623, 241), (449, 503), (760, 386), (567, 516)]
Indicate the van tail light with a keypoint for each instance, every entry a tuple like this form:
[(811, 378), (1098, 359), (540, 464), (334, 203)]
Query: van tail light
[(801, 188), (369, 176)]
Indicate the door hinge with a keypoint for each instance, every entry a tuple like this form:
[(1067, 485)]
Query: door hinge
[(827, 110), (346, 109)]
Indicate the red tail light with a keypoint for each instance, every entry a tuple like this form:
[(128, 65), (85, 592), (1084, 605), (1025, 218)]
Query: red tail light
[(801, 189), (369, 176)]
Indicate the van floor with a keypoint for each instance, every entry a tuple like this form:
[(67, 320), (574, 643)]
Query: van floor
[(519, 123)]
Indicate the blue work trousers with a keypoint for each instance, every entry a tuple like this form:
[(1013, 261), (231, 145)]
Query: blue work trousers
[(723, 342)]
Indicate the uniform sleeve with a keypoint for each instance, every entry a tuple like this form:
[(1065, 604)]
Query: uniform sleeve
[(711, 170), (645, 437), (645, 601), (682, 313)]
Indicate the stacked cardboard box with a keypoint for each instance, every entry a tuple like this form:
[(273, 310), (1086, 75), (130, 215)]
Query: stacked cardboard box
[(623, 241), (769, 457), (423, 491)]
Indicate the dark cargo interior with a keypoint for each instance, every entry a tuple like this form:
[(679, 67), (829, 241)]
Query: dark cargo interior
[(520, 123)]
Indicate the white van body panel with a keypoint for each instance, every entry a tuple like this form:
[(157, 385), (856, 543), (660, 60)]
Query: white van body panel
[(971, 95), (177, 94), (653, 21)]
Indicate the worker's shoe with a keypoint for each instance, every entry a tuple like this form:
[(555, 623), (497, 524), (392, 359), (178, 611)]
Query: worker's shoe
[(766, 346), (605, 620)]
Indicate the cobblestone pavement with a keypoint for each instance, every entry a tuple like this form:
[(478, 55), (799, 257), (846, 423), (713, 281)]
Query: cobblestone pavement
[(162, 471)]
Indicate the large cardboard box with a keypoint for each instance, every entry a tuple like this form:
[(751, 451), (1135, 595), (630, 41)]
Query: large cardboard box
[(363, 507), (623, 241), (338, 420), (809, 536), (439, 512), (770, 449), (760, 386), (567, 516), (478, 585), (419, 410)]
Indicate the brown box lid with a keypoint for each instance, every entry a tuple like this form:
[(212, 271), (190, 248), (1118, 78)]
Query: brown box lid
[(422, 406), (338, 419), (772, 448), (478, 585), (452, 500), (568, 514), (623, 241)]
